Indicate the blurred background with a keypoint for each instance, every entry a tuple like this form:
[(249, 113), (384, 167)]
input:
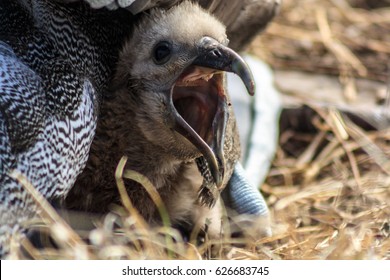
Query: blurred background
[(329, 184)]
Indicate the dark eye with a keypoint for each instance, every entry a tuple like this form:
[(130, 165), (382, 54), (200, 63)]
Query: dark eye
[(162, 52)]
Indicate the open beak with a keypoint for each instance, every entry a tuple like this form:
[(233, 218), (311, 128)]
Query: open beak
[(199, 103)]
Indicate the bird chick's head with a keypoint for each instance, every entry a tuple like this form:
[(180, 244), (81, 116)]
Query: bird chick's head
[(173, 66)]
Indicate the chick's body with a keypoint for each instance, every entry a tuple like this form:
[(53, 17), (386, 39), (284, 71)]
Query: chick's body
[(136, 121)]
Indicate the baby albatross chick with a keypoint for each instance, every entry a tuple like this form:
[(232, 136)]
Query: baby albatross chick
[(170, 114)]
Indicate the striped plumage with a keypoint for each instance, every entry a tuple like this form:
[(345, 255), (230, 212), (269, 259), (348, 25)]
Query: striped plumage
[(54, 63)]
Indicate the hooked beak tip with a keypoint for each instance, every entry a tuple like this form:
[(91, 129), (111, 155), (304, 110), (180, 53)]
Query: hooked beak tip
[(215, 55), (241, 68)]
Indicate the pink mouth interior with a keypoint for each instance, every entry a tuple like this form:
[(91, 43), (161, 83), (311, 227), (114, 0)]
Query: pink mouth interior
[(195, 97)]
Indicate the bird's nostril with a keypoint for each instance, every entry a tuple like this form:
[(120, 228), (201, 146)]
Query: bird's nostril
[(216, 53)]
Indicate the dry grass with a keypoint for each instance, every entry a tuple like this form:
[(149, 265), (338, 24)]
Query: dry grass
[(329, 186), (328, 36), (329, 191)]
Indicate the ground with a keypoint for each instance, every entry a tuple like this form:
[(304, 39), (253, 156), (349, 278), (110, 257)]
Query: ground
[(329, 186)]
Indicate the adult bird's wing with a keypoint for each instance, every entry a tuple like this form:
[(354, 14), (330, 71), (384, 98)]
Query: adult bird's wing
[(135, 6), (244, 19)]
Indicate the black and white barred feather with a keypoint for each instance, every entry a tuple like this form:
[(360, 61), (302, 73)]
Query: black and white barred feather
[(55, 61)]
